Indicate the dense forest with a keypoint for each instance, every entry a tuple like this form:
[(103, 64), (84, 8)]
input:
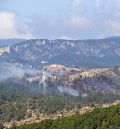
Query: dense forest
[(99, 118)]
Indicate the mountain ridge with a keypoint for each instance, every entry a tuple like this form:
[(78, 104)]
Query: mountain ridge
[(85, 53)]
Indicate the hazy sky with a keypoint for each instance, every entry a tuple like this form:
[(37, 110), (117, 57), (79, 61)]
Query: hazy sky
[(72, 19)]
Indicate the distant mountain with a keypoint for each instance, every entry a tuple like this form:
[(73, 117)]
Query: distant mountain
[(4, 42), (114, 37), (84, 53)]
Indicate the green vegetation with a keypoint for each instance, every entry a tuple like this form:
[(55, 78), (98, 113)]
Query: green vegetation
[(17, 96), (106, 118)]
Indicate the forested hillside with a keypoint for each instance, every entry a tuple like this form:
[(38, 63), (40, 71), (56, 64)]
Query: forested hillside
[(106, 118)]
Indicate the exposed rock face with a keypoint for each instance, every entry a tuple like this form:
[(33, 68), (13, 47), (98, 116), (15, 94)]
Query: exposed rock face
[(4, 50)]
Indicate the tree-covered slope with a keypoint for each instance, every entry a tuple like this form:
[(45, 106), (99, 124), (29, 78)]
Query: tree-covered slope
[(106, 118)]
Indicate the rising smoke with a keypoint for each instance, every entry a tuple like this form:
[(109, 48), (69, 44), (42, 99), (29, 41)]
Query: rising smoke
[(8, 70), (12, 70), (68, 90)]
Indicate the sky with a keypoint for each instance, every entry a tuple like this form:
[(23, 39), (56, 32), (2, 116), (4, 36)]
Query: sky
[(55, 19)]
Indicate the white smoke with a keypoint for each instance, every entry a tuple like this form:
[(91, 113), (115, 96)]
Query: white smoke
[(8, 70), (45, 74), (68, 90), (43, 81)]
